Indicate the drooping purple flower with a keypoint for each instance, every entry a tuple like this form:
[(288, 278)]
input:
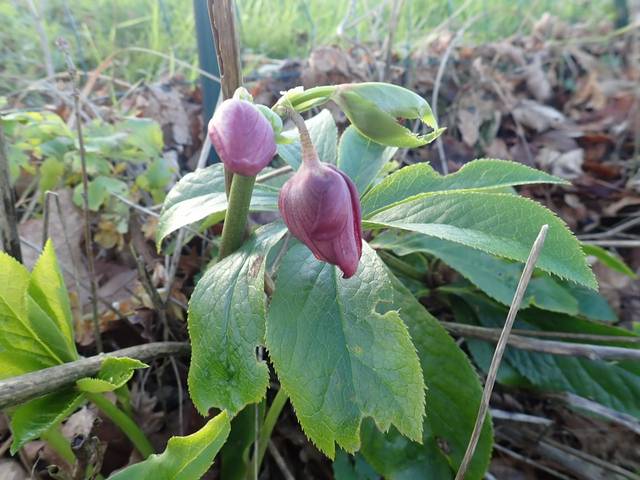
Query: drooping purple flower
[(321, 207), (242, 137)]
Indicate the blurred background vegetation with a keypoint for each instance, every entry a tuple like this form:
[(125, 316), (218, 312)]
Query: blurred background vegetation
[(112, 31)]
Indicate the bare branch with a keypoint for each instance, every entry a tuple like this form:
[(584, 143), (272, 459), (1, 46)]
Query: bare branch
[(592, 352), (20, 389)]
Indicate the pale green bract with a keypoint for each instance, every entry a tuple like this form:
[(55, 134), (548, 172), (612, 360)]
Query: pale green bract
[(341, 352)]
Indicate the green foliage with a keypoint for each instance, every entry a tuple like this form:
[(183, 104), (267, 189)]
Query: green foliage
[(201, 194), (122, 158), (498, 278), (37, 332), (338, 357), (100, 190), (483, 174), (226, 324), (608, 259), (34, 418), (453, 397), (500, 224), (35, 317), (114, 373), (185, 458), (361, 158)]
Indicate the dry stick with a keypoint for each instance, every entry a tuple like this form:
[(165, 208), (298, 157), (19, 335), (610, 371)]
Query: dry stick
[(22, 388), (614, 243), (592, 352), (528, 461), (64, 47), (8, 218), (500, 348), (393, 25), (614, 416), (282, 465), (223, 28), (613, 231)]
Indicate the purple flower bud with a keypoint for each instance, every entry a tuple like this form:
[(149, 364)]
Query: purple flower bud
[(321, 207), (242, 137)]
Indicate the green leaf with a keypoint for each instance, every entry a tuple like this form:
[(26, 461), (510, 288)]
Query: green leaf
[(47, 288), (144, 134), (591, 304), (14, 363), (100, 190), (157, 176), (361, 158), (496, 277), (51, 172), (608, 259), (611, 384), (26, 328), (343, 469), (500, 224), (201, 194), (14, 280), (226, 324), (32, 419), (114, 373), (338, 358), (185, 458), (483, 174), (453, 396), (324, 136), (373, 107)]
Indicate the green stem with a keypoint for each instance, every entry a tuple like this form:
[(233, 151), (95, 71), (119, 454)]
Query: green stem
[(269, 423), (59, 444), (304, 101), (124, 422), (236, 218)]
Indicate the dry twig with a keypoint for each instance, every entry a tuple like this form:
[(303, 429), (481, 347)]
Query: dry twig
[(64, 48), (500, 348), (592, 352), (23, 388), (8, 219)]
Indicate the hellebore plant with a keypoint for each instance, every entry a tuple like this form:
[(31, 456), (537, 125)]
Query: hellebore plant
[(354, 351)]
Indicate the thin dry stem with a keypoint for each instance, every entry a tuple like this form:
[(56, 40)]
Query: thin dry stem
[(8, 219), (500, 348), (64, 48), (592, 352)]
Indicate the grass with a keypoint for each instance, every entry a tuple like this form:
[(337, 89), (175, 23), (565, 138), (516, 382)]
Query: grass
[(271, 28)]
